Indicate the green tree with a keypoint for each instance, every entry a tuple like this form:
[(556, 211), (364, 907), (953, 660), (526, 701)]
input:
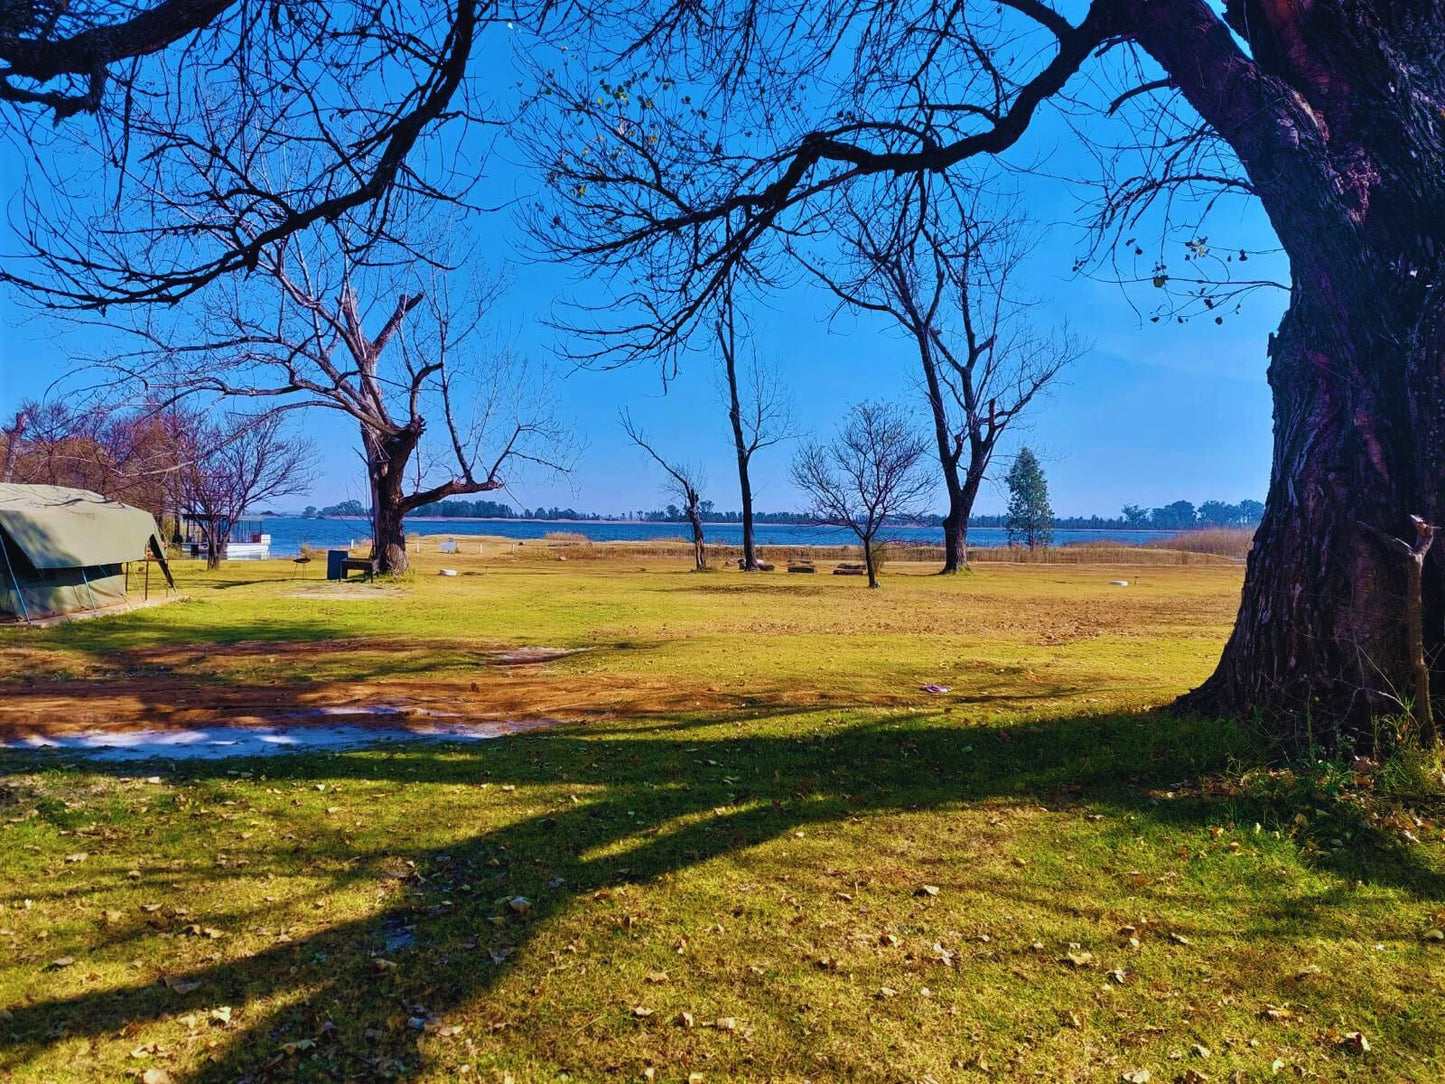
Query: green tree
[(1030, 519)]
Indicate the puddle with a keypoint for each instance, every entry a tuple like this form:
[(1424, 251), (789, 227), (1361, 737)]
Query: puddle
[(220, 742)]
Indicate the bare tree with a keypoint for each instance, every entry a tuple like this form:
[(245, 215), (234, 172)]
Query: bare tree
[(953, 289), (871, 471), (684, 480), (213, 130), (1325, 113), (759, 412), (13, 436), (125, 451), (235, 464), (298, 335)]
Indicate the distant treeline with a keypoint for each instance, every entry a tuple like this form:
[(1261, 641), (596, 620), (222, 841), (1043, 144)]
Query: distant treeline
[(459, 509), (1179, 516)]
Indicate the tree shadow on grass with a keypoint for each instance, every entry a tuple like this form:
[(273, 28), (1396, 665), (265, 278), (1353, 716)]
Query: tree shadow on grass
[(654, 805)]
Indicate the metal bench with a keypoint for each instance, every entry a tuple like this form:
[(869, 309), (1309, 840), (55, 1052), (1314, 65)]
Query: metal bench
[(365, 565)]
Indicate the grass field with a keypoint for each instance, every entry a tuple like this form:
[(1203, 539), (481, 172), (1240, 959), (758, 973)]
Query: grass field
[(752, 848)]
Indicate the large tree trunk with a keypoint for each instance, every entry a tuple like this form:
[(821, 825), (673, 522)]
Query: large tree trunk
[(386, 458), (1357, 197), (1321, 635), (388, 531), (1337, 120)]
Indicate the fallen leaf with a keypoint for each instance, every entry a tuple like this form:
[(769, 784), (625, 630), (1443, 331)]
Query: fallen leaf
[(926, 890), (641, 1011), (1136, 1076), (63, 961), (155, 1076), (221, 1015), (683, 1019), (657, 978), (1081, 958)]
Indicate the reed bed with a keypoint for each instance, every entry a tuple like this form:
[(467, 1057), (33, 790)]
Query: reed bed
[(1232, 542), (1206, 551)]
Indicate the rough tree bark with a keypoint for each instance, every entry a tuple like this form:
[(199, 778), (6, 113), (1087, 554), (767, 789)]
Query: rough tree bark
[(1348, 158), (387, 456)]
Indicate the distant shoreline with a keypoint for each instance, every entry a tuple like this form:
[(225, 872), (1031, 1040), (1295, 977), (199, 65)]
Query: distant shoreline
[(710, 522)]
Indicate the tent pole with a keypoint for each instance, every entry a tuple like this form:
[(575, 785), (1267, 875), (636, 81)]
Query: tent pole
[(85, 580), (15, 583)]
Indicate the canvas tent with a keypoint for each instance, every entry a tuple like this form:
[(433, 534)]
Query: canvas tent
[(65, 550)]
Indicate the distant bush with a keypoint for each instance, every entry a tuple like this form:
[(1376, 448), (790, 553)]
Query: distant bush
[(566, 536)]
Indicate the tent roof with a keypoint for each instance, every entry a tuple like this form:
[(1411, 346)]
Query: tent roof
[(58, 527)]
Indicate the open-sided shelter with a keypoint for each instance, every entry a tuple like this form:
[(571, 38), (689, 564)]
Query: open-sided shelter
[(65, 550)]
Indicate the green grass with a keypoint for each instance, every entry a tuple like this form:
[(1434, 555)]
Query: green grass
[(736, 821)]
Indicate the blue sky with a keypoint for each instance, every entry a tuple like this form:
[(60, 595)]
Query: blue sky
[(1154, 413)]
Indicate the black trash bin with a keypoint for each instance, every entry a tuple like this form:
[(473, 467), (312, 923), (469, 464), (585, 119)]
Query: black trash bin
[(336, 564)]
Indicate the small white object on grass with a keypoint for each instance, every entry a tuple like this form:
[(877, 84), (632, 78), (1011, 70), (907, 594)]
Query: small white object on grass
[(1118, 583), (446, 572)]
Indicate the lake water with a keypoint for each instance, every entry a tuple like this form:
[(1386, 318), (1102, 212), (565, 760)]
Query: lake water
[(289, 532)]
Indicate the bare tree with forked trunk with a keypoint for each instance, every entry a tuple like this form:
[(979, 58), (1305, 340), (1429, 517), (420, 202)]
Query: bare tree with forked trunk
[(1325, 114), (870, 472), (398, 349), (683, 480), (952, 287)]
